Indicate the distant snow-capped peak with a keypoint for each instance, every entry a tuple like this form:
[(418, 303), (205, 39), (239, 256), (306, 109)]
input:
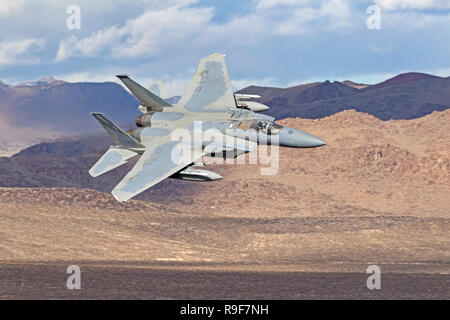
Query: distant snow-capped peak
[(41, 82)]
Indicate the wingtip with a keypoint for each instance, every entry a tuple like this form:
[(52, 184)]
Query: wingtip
[(92, 174), (119, 195), (122, 76)]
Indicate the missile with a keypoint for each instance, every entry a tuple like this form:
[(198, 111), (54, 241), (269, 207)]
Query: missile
[(191, 174), (249, 105)]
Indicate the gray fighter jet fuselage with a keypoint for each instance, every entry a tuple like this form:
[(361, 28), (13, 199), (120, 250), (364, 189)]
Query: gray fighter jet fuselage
[(207, 114), (239, 123)]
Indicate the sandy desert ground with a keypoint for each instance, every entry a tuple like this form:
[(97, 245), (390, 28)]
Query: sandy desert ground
[(378, 193)]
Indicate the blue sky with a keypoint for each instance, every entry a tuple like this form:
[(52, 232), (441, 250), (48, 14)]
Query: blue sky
[(266, 42)]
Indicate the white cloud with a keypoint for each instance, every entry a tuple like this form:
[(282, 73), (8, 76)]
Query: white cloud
[(8, 7), (181, 28), (408, 20), (267, 4), (143, 36), (90, 46), (332, 15), (337, 12), (155, 30), (413, 4), (86, 76), (154, 38), (20, 51), (380, 49)]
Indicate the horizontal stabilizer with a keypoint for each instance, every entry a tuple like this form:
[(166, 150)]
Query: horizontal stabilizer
[(120, 137), (112, 159), (145, 97)]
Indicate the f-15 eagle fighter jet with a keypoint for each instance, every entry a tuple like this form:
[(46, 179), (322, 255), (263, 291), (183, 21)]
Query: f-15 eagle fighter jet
[(209, 120)]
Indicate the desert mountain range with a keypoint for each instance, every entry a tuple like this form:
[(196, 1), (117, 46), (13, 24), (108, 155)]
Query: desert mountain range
[(40, 111), (406, 96)]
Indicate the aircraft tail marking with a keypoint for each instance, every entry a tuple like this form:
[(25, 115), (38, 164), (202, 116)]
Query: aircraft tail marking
[(210, 88)]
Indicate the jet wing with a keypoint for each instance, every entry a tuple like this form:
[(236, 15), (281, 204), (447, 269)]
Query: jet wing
[(210, 88), (162, 159)]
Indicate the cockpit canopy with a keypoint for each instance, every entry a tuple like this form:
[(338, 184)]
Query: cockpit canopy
[(260, 126)]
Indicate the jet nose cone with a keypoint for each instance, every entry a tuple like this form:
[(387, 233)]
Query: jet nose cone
[(298, 139)]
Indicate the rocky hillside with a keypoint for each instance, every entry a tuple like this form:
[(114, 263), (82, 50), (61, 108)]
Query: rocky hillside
[(35, 112), (389, 167), (406, 96)]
